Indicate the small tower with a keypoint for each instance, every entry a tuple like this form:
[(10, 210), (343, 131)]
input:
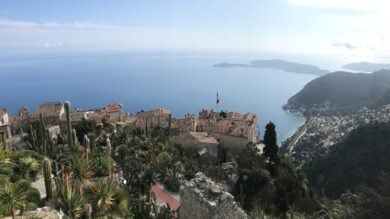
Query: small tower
[(23, 111)]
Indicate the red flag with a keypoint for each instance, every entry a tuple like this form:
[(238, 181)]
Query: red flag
[(217, 98)]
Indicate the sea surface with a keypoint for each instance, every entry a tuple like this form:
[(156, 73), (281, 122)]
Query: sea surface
[(141, 82)]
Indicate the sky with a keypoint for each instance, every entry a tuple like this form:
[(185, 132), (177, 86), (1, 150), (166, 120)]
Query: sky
[(357, 29)]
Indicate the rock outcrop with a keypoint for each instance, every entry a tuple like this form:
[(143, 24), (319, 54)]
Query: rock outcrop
[(203, 198)]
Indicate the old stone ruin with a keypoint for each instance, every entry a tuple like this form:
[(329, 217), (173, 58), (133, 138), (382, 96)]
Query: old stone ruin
[(203, 198)]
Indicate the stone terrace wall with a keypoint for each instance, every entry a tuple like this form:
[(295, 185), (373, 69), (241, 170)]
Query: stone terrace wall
[(202, 198)]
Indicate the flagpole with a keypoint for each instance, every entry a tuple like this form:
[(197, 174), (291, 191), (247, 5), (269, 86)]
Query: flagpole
[(217, 102)]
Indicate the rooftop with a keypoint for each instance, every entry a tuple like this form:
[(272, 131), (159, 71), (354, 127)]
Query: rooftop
[(50, 109), (3, 112), (164, 197), (203, 137)]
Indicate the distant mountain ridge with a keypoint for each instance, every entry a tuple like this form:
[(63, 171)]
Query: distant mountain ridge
[(343, 89), (279, 64), (367, 66)]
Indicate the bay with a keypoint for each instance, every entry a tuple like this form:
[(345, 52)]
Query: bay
[(180, 83)]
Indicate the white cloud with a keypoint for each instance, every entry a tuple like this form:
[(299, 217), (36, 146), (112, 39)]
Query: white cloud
[(52, 45), (362, 34), (359, 5), (26, 35)]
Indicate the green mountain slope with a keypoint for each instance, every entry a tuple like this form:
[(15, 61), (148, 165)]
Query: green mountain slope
[(343, 89), (362, 159)]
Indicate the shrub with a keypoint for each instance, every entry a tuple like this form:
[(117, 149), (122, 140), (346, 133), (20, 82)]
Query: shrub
[(102, 165), (34, 196)]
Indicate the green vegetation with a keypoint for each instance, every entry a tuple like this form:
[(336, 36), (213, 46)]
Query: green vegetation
[(356, 171), (271, 148), (46, 165), (343, 89), (99, 172), (270, 184), (107, 198), (104, 171), (68, 124), (13, 197)]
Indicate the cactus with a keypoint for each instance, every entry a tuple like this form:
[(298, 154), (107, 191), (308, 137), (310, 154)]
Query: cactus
[(34, 140), (108, 145), (169, 125), (43, 134), (74, 137), (68, 124), (87, 145), (92, 140), (50, 143), (146, 127), (46, 166)]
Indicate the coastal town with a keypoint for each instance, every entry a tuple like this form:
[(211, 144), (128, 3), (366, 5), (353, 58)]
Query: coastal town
[(321, 131), (216, 138), (229, 129)]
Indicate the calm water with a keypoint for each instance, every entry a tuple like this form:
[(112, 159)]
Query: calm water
[(180, 83)]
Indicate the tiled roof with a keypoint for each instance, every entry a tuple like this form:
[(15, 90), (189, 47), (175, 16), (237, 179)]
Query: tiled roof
[(49, 109), (113, 107), (19, 121), (165, 197), (3, 112)]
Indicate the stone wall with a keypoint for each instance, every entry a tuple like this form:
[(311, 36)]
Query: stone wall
[(198, 140), (202, 198), (188, 124)]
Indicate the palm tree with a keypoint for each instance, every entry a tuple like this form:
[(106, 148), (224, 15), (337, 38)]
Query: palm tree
[(71, 203), (12, 197), (107, 198)]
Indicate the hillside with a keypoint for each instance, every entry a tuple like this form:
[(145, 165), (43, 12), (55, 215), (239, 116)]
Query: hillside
[(361, 159), (343, 89), (279, 64), (366, 66)]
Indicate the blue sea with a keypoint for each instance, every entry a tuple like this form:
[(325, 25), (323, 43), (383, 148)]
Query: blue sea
[(181, 83)]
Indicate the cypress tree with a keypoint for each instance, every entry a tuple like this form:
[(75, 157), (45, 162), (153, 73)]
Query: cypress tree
[(270, 141)]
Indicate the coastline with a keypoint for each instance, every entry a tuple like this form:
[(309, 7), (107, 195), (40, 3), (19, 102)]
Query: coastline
[(295, 131)]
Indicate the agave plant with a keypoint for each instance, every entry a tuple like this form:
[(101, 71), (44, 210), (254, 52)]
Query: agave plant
[(27, 167), (70, 202), (13, 197), (81, 170), (107, 198)]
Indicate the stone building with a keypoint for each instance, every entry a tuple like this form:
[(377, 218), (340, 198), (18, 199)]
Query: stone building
[(234, 131), (202, 198), (198, 140), (53, 112), (114, 112), (187, 124), (20, 121), (77, 115), (5, 131), (24, 111), (153, 118)]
